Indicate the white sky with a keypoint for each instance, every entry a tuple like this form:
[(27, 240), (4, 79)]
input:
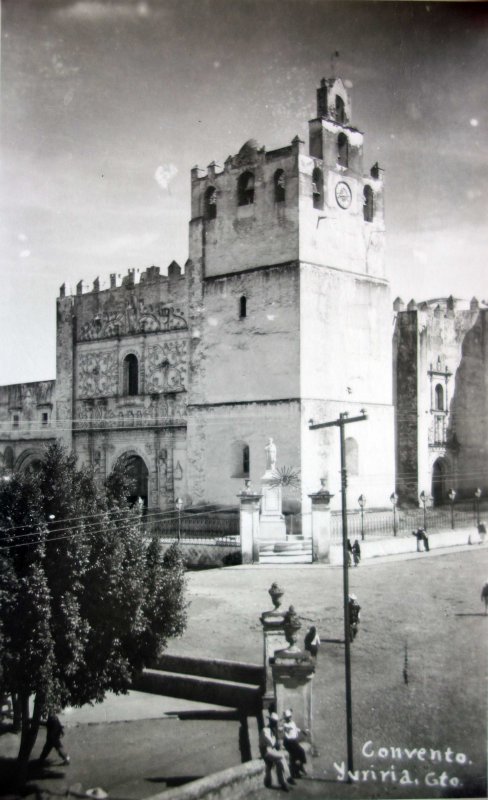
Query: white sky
[(106, 106)]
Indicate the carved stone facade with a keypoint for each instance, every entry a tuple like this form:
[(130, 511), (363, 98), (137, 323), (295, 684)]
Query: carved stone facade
[(282, 315), (441, 380)]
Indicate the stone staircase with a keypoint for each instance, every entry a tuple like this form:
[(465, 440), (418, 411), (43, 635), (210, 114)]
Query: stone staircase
[(294, 550)]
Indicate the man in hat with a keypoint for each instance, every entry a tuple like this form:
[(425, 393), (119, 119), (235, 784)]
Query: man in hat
[(272, 755), (291, 733)]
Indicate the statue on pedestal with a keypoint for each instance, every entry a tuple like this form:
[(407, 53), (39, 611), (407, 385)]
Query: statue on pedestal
[(270, 451)]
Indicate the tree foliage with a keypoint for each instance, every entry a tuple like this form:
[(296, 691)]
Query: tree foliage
[(85, 600)]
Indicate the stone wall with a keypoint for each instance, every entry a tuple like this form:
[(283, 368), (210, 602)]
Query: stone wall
[(440, 346), (27, 422)]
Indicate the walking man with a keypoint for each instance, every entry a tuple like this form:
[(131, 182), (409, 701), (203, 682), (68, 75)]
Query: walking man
[(356, 552), (55, 732)]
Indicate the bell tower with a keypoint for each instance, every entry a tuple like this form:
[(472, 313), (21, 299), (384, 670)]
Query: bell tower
[(345, 228)]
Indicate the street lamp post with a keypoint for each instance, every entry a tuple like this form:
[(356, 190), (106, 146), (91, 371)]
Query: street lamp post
[(394, 501), (423, 500), (452, 496), (362, 503), (477, 496), (179, 506)]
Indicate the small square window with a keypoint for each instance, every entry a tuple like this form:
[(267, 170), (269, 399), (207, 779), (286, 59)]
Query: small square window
[(45, 418), (16, 420)]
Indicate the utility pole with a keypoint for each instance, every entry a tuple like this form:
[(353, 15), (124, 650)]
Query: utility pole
[(344, 419)]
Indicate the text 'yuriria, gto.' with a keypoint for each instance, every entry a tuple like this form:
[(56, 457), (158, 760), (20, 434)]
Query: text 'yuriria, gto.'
[(394, 773)]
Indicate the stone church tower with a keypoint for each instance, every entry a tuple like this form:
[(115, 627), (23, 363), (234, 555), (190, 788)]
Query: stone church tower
[(290, 313)]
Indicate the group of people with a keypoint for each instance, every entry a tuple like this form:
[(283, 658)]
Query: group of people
[(281, 749), (353, 553)]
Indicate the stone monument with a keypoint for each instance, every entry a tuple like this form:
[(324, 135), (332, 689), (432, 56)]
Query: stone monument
[(293, 670), (272, 521), (273, 636)]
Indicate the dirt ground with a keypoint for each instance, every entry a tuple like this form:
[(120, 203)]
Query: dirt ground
[(429, 605)]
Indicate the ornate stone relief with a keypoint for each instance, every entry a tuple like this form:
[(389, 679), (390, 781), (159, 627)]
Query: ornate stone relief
[(97, 374), (117, 319), (166, 367)]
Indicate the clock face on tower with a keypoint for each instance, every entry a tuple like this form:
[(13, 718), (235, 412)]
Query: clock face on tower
[(343, 194)]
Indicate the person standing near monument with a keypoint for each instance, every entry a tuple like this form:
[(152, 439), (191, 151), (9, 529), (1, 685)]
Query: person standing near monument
[(312, 641)]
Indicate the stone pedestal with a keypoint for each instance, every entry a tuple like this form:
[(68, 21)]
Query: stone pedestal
[(321, 524), (273, 637), (249, 526), (273, 640), (292, 680), (272, 522)]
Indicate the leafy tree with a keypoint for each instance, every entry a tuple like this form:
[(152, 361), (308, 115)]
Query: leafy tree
[(85, 600)]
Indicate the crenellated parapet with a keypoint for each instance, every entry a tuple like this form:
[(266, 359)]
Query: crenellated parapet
[(133, 277)]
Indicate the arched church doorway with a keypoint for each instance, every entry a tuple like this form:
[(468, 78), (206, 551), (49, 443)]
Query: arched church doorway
[(138, 475), (439, 488)]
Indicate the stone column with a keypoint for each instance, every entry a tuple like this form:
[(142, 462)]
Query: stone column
[(293, 670), (321, 523), (273, 637), (249, 525)]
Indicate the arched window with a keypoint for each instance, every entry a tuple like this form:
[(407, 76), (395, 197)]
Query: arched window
[(8, 458), (210, 206), (317, 188), (342, 150), (245, 460), (352, 460), (131, 375), (279, 186), (368, 207), (242, 307), (340, 110), (245, 189), (439, 397)]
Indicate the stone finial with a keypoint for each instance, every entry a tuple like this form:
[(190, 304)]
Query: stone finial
[(375, 171), (291, 627), (276, 593), (96, 285), (398, 304), (113, 280), (474, 304), (79, 287), (412, 306), (451, 303), (62, 290)]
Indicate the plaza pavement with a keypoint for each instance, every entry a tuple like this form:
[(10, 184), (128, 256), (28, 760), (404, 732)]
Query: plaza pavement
[(427, 602)]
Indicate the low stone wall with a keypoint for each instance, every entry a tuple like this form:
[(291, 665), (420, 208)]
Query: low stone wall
[(205, 555), (408, 544), (232, 783)]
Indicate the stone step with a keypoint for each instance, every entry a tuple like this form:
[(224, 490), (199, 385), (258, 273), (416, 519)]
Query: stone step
[(284, 558), (286, 547)]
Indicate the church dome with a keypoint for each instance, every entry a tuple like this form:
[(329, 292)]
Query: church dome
[(251, 146)]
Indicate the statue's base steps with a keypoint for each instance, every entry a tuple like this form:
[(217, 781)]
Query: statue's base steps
[(293, 550)]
